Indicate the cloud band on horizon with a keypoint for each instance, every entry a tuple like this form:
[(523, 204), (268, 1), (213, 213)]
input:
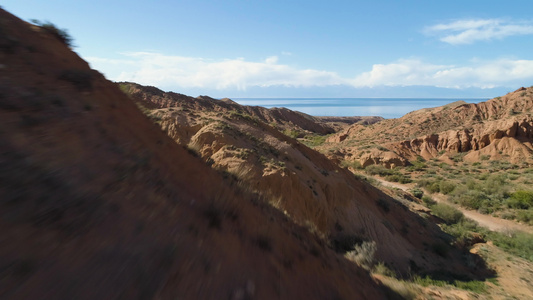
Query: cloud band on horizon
[(189, 72)]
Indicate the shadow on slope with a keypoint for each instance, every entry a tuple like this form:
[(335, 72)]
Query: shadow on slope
[(96, 202)]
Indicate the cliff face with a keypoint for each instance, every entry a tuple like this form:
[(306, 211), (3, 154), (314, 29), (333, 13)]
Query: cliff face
[(481, 139), (500, 128), (302, 183), (97, 202)]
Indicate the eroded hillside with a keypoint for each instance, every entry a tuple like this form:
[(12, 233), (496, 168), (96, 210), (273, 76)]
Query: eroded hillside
[(305, 185), (98, 203), (501, 129)]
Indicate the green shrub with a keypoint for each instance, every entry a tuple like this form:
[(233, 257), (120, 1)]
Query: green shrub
[(398, 178), (472, 199), (450, 215), (378, 170), (525, 216), (446, 187), (521, 200), (518, 243), (313, 140), (351, 164), (292, 133), (428, 201), (434, 187), (417, 193)]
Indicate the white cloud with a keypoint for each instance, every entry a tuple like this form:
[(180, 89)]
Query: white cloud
[(480, 74), (164, 70), (178, 72), (470, 31)]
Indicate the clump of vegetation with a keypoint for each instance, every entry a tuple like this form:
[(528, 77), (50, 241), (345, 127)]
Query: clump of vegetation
[(417, 193), (474, 285), (393, 175), (313, 140), (520, 199), (61, 34), (462, 229), (450, 215), (363, 254), (351, 164), (292, 133)]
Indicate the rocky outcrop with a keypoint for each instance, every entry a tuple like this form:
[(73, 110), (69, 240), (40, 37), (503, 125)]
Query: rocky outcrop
[(455, 128), (388, 159), (485, 137)]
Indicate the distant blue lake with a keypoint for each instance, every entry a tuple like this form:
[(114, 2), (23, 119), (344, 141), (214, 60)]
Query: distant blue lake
[(384, 107)]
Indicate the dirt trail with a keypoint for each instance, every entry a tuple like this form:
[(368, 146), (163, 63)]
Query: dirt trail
[(490, 222)]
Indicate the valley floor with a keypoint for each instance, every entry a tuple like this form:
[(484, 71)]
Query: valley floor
[(514, 275), (487, 221)]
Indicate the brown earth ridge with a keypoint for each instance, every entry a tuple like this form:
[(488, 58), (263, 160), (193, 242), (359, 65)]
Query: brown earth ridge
[(499, 129)]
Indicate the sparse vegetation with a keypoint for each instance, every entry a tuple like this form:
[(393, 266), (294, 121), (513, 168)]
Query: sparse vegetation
[(473, 285), (363, 254), (447, 213), (313, 140), (61, 34)]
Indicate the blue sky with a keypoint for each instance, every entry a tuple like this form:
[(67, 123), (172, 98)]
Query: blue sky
[(302, 48)]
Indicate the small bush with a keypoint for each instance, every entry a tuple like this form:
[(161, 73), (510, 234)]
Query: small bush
[(518, 243), (472, 199), (474, 285), (450, 215), (521, 200), (61, 34), (363, 254), (525, 216), (417, 193), (434, 187), (312, 141), (351, 164), (382, 269), (398, 178), (446, 187), (292, 133), (428, 201), (378, 170)]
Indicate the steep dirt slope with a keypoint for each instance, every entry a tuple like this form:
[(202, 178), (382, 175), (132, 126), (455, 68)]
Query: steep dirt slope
[(501, 128), (97, 203), (310, 189)]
